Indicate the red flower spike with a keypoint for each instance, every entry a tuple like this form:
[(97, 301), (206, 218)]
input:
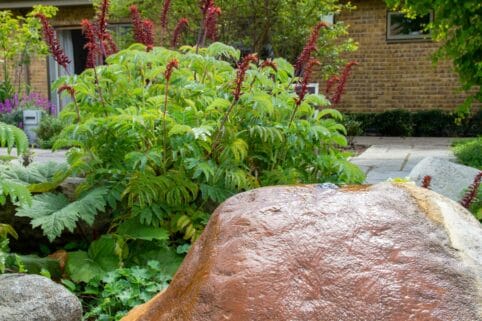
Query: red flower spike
[(147, 29), (303, 89), (269, 64), (102, 19), (241, 73), (330, 83), (174, 63), (310, 46), (426, 181), (137, 24), (165, 10), (341, 84), (93, 50), (211, 21), (472, 191), (49, 36), (110, 45), (66, 88), (205, 5), (180, 28)]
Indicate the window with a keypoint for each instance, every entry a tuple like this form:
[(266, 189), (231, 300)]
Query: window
[(73, 42), (399, 27)]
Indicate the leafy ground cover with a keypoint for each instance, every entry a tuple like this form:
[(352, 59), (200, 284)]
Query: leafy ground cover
[(469, 152)]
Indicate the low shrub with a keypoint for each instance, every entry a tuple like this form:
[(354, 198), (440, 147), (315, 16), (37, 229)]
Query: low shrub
[(353, 128), (48, 130), (396, 122), (469, 152), (429, 123), (111, 297)]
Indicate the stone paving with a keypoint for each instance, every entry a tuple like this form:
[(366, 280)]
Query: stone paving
[(41, 155), (391, 157)]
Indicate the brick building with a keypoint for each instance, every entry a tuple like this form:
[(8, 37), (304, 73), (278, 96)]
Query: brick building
[(395, 68), (394, 71)]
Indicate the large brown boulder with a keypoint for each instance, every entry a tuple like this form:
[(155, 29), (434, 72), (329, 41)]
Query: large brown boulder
[(390, 252)]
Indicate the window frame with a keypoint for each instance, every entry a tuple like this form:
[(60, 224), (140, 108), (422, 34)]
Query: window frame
[(405, 38)]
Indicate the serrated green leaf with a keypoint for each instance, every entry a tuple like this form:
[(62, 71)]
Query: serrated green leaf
[(53, 213), (135, 230), (95, 263)]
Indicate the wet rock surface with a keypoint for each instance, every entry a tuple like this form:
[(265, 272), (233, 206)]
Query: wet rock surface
[(26, 297), (390, 252)]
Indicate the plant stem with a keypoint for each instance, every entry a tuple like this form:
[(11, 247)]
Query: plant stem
[(164, 128), (294, 113), (223, 124), (99, 91)]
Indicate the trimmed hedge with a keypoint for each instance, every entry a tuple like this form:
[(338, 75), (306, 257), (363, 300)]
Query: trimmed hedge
[(429, 123)]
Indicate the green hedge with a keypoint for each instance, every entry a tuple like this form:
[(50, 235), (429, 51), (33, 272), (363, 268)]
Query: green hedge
[(431, 123)]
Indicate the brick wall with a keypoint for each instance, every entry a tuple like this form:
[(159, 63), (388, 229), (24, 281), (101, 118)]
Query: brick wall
[(393, 75)]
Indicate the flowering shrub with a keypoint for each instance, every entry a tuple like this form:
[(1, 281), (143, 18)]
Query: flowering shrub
[(11, 109)]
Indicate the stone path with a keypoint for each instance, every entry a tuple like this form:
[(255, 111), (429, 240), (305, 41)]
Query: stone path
[(391, 157), (41, 155)]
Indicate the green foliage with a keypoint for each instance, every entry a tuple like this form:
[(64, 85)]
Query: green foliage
[(16, 192), (432, 123), (95, 263), (353, 128), (169, 175), (37, 177), (280, 26), (121, 290), (11, 262), (396, 122), (54, 213), (20, 40), (469, 152), (11, 136), (48, 130), (458, 25)]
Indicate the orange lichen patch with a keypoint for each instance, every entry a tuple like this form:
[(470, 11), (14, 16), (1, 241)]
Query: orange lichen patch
[(423, 198), (355, 188), (61, 256)]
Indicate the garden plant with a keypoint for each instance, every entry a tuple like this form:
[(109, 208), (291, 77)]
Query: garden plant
[(159, 138)]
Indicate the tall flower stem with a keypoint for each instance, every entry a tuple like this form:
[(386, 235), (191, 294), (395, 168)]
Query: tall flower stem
[(174, 63), (240, 77)]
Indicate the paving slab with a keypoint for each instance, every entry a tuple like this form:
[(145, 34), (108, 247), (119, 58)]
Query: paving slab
[(41, 155), (395, 157)]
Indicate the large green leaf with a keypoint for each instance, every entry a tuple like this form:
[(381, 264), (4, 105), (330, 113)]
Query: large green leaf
[(40, 177), (95, 263), (17, 193), (135, 230), (11, 136), (53, 213)]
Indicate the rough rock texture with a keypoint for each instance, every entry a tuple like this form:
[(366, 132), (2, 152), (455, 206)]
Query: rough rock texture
[(26, 297), (448, 178), (390, 252)]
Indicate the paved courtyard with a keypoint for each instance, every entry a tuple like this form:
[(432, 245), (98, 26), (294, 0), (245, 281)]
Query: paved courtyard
[(390, 157)]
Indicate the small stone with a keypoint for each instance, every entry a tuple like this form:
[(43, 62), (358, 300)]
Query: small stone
[(25, 297)]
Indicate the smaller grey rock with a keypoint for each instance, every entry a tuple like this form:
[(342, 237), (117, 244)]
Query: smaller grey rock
[(448, 178), (26, 297)]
